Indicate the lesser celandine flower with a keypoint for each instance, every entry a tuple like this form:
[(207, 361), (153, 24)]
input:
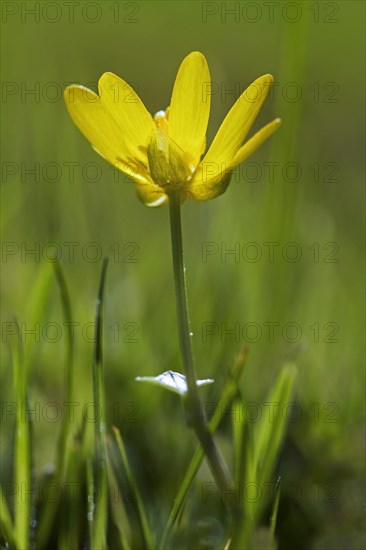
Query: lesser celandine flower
[(164, 154)]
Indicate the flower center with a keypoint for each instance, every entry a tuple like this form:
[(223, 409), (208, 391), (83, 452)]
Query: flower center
[(169, 164)]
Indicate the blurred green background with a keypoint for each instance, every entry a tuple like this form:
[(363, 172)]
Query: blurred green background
[(303, 187)]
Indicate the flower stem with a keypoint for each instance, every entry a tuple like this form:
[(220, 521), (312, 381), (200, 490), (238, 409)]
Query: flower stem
[(194, 412)]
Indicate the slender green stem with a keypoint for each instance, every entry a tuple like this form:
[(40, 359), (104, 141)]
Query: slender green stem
[(185, 336), (194, 412), (227, 396)]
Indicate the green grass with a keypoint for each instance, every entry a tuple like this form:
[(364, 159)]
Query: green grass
[(102, 472)]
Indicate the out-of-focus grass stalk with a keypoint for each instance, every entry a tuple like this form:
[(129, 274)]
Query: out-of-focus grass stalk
[(280, 204), (64, 444), (37, 303), (64, 447), (281, 197), (6, 524), (22, 457), (100, 484)]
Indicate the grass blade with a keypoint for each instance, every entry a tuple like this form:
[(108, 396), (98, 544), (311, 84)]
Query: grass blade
[(90, 501), (64, 444), (100, 482), (140, 508), (6, 524), (118, 512), (71, 531), (239, 432), (263, 452), (37, 303), (276, 503), (69, 366), (22, 456), (270, 434)]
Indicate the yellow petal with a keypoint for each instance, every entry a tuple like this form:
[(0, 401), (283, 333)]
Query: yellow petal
[(150, 194), (212, 179), (237, 123), (87, 112), (209, 182), (256, 141), (125, 107), (190, 106)]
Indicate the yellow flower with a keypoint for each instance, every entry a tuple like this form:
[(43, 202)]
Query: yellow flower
[(164, 154)]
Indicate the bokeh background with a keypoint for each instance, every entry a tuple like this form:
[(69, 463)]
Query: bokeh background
[(302, 192)]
